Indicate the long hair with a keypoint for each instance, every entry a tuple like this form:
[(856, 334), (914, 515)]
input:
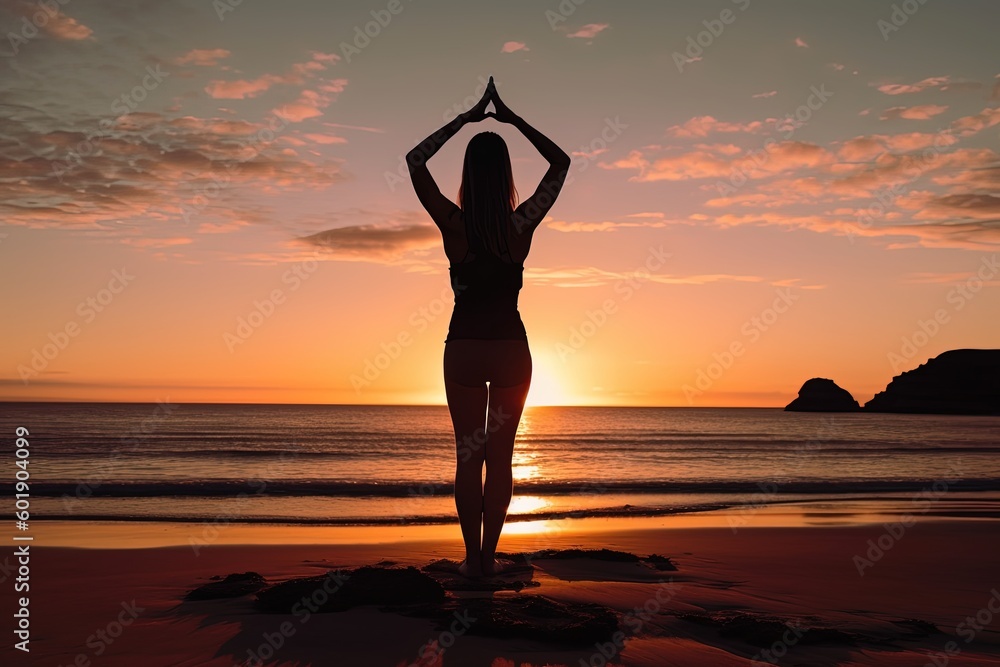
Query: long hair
[(487, 195)]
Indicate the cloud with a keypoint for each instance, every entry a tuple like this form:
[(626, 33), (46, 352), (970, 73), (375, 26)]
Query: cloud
[(919, 112), (147, 170), (890, 170), (983, 178), (511, 47), (297, 74), (867, 147), (202, 57), (781, 156), (969, 125), (939, 83), (56, 23), (958, 206), (702, 126), (979, 235), (384, 243), (592, 276), (650, 220), (590, 30), (954, 278), (770, 93), (801, 43), (326, 139), (147, 242), (242, 89), (309, 104)]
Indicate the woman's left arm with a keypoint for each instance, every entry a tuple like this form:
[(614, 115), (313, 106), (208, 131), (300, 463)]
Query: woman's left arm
[(440, 208)]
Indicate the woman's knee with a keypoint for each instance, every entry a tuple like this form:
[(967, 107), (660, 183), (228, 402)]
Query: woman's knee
[(470, 454)]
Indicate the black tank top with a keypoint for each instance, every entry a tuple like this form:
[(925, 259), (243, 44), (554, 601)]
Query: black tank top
[(486, 289)]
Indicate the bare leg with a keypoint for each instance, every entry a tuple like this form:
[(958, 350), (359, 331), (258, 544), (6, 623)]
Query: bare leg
[(468, 416), (505, 407)]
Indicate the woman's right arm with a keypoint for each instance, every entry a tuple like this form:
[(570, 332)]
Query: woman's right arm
[(532, 210), (548, 148)]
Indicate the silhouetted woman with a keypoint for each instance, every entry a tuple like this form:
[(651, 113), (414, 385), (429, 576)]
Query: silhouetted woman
[(487, 363)]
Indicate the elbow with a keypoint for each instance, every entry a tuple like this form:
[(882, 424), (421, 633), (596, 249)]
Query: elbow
[(415, 159), (563, 162)]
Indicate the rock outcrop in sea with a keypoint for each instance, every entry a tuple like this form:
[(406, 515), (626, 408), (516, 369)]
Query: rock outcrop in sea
[(823, 395), (957, 382)]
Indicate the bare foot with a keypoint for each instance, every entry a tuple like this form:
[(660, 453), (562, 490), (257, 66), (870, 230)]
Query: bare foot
[(495, 566), (465, 570)]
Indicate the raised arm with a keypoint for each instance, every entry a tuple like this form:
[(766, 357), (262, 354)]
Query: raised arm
[(440, 208), (533, 209)]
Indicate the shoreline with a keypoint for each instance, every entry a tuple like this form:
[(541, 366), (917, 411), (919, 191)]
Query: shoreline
[(906, 606), (841, 512)]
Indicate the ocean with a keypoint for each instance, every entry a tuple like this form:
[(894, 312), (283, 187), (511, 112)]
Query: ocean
[(372, 465)]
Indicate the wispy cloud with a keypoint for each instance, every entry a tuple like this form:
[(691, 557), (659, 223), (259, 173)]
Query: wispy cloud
[(299, 73), (592, 276), (801, 43), (383, 242), (202, 57), (512, 47), (698, 164), (918, 112), (589, 31), (56, 23), (940, 83), (702, 126)]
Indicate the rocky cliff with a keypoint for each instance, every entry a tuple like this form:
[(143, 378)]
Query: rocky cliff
[(823, 395), (958, 382)]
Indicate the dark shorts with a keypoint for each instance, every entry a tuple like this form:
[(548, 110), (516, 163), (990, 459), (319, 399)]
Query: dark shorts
[(473, 362)]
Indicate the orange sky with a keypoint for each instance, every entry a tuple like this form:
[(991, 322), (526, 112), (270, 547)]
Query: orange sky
[(209, 207)]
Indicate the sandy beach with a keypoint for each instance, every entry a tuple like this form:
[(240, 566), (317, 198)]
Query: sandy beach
[(765, 593)]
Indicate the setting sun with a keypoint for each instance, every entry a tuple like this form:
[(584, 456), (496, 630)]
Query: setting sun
[(545, 386)]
